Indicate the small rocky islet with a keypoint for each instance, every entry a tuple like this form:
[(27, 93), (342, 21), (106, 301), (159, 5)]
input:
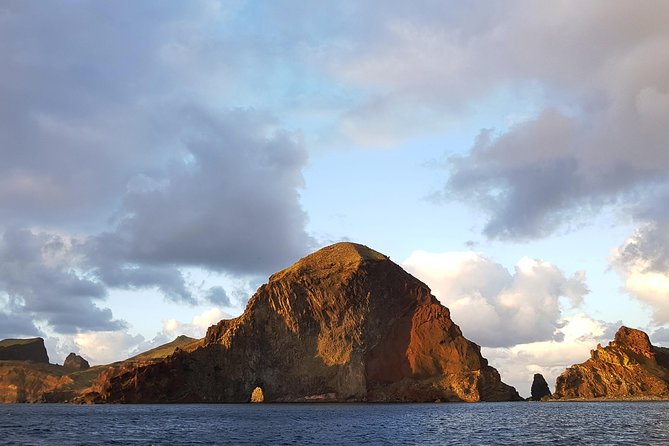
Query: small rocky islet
[(344, 324)]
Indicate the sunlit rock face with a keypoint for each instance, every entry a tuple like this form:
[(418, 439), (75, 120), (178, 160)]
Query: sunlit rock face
[(342, 324), (628, 368)]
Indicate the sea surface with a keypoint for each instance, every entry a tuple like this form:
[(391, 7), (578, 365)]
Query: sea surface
[(325, 424)]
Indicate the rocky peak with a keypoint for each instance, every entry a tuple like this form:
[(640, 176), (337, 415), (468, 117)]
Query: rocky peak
[(75, 362), (634, 340), (539, 388), (628, 368), (342, 324), (333, 258)]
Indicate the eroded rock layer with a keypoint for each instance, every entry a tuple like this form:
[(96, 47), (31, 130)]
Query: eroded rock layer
[(343, 324), (628, 368)]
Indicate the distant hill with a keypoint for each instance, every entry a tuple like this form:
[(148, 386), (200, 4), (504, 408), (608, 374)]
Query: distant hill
[(23, 379), (32, 349), (165, 350)]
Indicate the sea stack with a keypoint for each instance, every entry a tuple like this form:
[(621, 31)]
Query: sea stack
[(628, 368), (539, 388), (342, 324)]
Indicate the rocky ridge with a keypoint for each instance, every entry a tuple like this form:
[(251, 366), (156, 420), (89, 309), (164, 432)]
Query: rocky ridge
[(342, 324), (630, 367)]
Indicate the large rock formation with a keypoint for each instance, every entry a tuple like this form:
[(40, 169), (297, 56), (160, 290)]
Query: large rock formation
[(342, 324), (75, 362), (539, 388), (23, 350), (628, 368)]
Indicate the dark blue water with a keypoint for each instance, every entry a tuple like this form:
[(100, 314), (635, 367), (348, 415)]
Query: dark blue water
[(323, 424)]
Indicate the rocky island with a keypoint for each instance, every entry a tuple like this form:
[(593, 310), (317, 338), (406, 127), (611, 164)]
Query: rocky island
[(342, 324), (629, 368)]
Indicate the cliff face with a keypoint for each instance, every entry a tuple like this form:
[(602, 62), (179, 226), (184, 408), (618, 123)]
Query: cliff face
[(343, 324), (628, 368), (23, 382), (23, 350)]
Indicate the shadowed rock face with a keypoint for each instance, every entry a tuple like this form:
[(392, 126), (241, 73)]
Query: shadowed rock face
[(539, 388), (23, 350), (343, 324), (75, 362), (628, 368)]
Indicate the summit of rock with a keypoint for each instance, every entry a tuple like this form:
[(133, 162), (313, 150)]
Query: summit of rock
[(31, 349), (338, 256), (342, 324), (635, 340), (75, 362), (630, 367)]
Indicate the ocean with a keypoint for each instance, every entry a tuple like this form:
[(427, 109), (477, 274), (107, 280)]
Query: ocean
[(645, 423)]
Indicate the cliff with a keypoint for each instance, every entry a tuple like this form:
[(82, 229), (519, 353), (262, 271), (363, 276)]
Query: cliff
[(28, 381), (342, 324), (23, 350), (628, 368)]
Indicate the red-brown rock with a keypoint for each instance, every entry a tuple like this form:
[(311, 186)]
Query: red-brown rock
[(75, 362), (628, 368), (345, 322)]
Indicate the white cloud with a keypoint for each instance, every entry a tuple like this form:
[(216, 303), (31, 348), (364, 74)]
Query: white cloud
[(492, 306), (104, 347), (198, 325), (642, 262)]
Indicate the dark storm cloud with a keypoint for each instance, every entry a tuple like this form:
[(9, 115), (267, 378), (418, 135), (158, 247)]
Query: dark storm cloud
[(17, 326), (37, 275), (230, 203)]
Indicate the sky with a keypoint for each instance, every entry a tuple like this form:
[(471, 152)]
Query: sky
[(159, 160)]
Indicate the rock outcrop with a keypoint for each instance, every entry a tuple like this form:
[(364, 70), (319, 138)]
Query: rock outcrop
[(539, 389), (23, 350), (75, 362), (342, 324), (628, 368)]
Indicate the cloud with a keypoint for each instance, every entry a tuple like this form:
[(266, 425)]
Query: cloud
[(104, 347), (198, 325), (217, 296), (493, 307), (642, 262), (590, 83), (17, 325), (230, 203), (41, 279), (118, 143), (597, 138)]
